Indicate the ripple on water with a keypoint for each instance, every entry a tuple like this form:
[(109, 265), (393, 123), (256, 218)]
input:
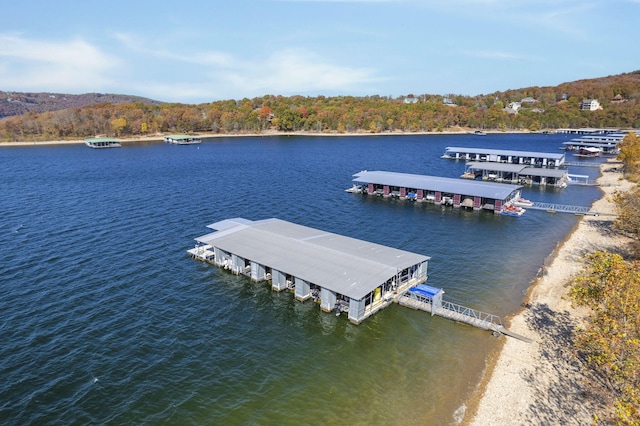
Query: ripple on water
[(107, 320)]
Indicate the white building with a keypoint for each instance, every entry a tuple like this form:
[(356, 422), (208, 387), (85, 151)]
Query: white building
[(590, 105)]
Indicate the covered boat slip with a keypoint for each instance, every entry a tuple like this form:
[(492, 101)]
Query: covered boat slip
[(341, 273), (516, 174), (182, 139), (102, 143), (535, 159), (606, 147), (439, 190)]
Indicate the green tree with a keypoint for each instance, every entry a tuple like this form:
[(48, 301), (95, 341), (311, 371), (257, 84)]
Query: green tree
[(628, 220), (630, 154), (610, 340)]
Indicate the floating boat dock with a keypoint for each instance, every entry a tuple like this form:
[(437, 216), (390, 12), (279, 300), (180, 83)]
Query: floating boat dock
[(182, 139), (438, 190), (340, 273), (99, 143), (516, 174), (587, 131), (526, 158), (605, 144)]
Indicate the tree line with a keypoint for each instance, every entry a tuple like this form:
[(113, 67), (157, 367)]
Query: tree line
[(609, 341), (546, 108)]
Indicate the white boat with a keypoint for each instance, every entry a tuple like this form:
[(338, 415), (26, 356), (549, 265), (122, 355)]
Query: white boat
[(99, 143), (588, 152), (512, 211), (479, 133), (521, 202), (182, 139)]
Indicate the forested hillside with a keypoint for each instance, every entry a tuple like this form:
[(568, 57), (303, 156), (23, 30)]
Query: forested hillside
[(533, 108), (16, 103)]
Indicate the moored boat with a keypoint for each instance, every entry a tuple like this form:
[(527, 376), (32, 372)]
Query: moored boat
[(522, 202), (587, 152), (512, 210)]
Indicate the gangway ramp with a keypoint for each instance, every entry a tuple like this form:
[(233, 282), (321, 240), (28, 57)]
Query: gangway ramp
[(580, 164), (431, 301), (561, 208)]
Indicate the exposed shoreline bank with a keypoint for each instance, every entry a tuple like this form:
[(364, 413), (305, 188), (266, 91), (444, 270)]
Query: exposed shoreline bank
[(159, 138), (541, 382)]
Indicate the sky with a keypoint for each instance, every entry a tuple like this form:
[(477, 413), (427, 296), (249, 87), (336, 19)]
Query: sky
[(209, 50)]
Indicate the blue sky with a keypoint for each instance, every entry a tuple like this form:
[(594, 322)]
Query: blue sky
[(203, 51)]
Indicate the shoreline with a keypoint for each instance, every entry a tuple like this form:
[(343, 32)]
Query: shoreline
[(541, 382), (159, 137)]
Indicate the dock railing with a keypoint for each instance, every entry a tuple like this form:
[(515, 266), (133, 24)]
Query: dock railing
[(471, 313), (561, 208), (451, 311)]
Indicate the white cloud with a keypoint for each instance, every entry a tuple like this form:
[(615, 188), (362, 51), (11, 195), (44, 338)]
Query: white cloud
[(210, 58), (297, 71), (211, 75), (53, 66)]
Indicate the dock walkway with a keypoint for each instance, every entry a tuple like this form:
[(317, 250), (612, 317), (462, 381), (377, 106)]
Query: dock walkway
[(561, 208), (458, 313), (581, 164)]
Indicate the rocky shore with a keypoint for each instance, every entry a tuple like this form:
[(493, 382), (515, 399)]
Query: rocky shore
[(541, 383)]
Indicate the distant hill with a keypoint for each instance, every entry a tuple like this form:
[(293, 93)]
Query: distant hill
[(50, 116), (16, 103)]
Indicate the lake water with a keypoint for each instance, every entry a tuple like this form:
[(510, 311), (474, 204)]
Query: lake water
[(105, 319)]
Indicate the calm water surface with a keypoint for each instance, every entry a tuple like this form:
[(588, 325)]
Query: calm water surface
[(105, 319)]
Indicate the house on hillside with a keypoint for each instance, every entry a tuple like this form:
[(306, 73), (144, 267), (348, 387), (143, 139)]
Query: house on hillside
[(617, 99), (513, 107), (528, 100), (590, 105), (448, 102)]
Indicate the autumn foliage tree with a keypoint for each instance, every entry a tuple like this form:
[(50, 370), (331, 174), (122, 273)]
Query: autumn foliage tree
[(610, 340), (338, 114), (628, 220), (630, 155)]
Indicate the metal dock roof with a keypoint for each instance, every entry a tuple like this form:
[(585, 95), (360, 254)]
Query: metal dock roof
[(497, 191), (341, 264), (516, 168), (505, 152)]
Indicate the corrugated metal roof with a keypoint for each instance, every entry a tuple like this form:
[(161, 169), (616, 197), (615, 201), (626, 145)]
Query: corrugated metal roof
[(537, 171), (341, 264), (498, 167), (181, 137), (102, 140), (517, 168), (497, 191), (553, 155)]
